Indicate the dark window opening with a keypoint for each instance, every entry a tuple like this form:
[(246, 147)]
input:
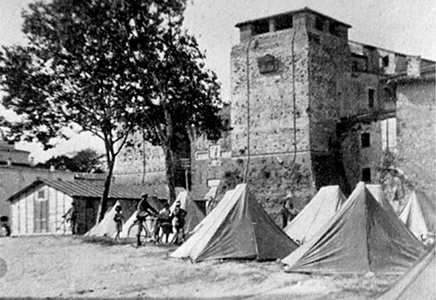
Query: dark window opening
[(366, 175), (314, 38), (334, 28), (319, 24), (359, 62), (354, 66), (284, 22), (385, 61), (41, 194), (267, 64), (365, 139), (260, 27), (371, 97)]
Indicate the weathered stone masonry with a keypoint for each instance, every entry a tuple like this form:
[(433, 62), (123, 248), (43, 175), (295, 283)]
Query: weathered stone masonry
[(310, 107)]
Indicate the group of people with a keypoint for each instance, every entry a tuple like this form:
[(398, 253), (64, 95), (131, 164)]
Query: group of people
[(164, 220)]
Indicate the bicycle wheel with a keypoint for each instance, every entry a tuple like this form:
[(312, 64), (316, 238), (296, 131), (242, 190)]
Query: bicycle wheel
[(137, 235)]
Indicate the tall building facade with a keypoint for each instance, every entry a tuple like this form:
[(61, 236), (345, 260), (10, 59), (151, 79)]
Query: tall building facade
[(308, 108)]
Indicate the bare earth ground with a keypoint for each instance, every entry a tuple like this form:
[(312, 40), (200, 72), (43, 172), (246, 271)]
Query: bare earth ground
[(75, 267)]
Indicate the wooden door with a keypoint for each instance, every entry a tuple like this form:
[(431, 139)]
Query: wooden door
[(41, 212)]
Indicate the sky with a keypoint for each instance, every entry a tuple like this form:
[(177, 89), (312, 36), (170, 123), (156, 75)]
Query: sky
[(404, 26)]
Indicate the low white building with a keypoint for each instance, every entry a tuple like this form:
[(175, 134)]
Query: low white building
[(39, 208)]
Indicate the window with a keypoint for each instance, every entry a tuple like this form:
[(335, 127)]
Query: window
[(385, 61), (365, 139), (41, 194), (319, 24), (260, 27), (284, 22), (371, 97), (334, 28), (267, 64), (366, 175), (359, 62), (214, 151), (354, 66)]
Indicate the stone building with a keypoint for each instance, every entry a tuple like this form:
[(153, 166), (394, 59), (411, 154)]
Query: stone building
[(309, 108), (416, 127)]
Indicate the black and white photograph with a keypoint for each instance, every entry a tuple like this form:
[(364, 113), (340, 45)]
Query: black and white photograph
[(230, 149)]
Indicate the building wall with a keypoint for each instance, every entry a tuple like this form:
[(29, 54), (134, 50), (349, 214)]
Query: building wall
[(10, 155), (304, 113), (416, 133), (141, 163), (279, 129), (23, 220), (14, 179)]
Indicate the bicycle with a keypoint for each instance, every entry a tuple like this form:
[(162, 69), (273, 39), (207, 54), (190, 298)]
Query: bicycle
[(139, 232)]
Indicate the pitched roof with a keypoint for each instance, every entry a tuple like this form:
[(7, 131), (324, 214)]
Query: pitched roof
[(362, 237), (94, 189)]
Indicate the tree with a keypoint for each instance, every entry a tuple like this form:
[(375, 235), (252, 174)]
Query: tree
[(185, 97), (89, 63), (85, 161)]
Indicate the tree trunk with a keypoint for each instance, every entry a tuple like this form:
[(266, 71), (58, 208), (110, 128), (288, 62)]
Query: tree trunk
[(102, 206), (169, 164)]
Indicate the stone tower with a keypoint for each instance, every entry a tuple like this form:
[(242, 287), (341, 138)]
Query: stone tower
[(286, 74)]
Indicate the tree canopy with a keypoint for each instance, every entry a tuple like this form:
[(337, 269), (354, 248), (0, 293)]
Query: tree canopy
[(113, 67), (86, 161)]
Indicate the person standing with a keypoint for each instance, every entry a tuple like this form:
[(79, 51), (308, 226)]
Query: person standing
[(118, 218), (163, 222), (284, 212), (144, 209), (179, 215), (293, 212), (71, 217)]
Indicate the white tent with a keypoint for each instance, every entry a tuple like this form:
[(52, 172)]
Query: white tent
[(316, 214), (107, 226), (194, 215), (127, 224)]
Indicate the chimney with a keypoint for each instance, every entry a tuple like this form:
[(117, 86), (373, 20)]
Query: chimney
[(413, 66)]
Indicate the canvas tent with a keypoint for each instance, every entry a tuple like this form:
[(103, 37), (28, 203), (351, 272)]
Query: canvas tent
[(194, 215), (378, 194), (362, 237), (316, 214), (240, 229), (419, 214), (417, 283), (216, 212), (107, 226)]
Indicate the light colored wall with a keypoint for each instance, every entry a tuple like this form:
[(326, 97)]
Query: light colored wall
[(416, 127), (23, 218)]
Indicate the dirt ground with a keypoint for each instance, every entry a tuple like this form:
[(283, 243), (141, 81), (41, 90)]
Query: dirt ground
[(75, 267)]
